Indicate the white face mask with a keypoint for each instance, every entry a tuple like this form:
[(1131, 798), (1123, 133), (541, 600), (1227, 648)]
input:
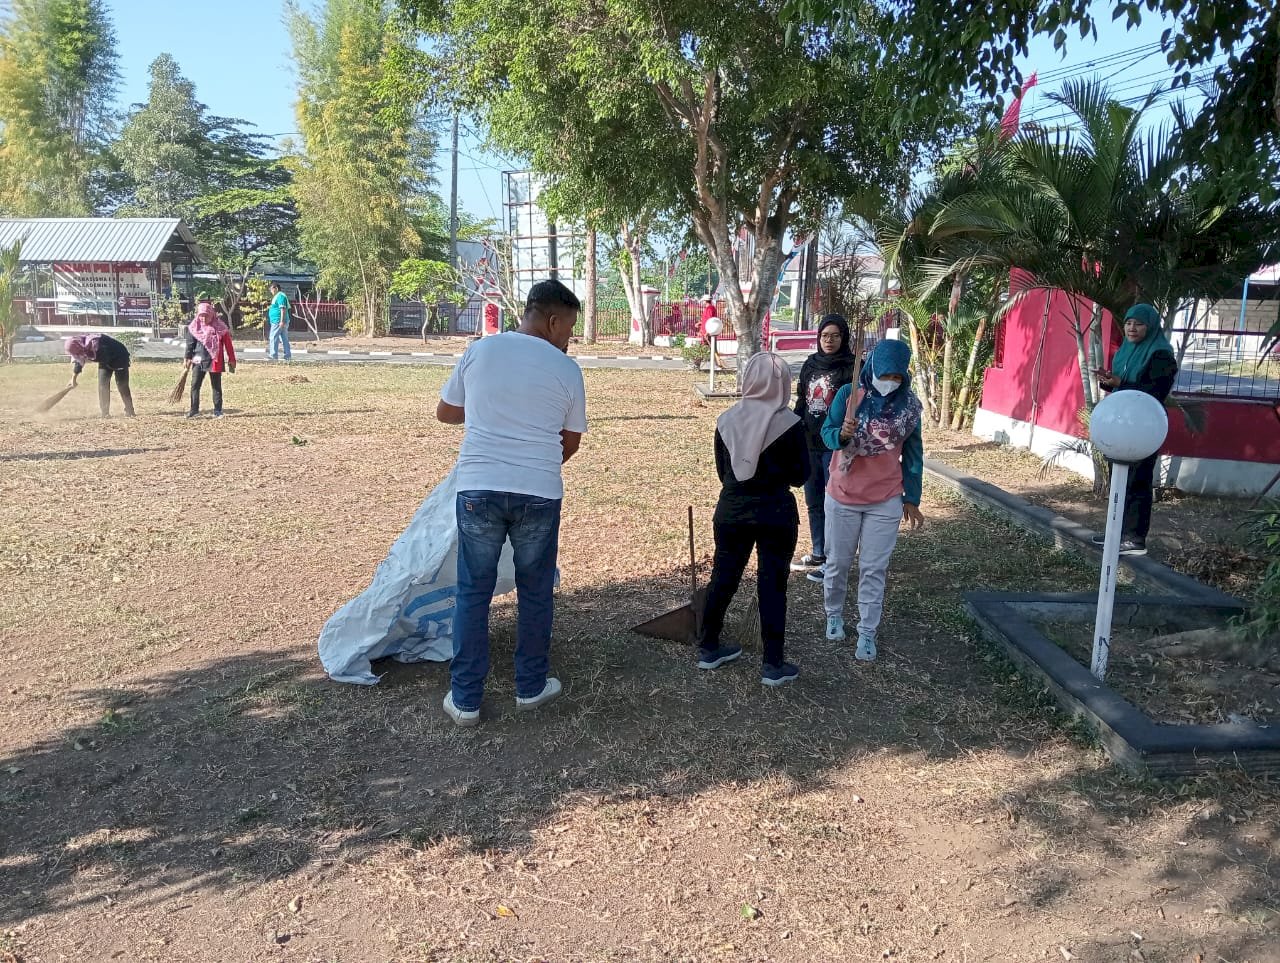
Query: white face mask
[(885, 385)]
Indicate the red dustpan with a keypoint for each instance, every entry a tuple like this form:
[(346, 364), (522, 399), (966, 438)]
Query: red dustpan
[(682, 624)]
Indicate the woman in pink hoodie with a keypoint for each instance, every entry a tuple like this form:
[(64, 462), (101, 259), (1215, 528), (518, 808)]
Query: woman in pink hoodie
[(210, 352), (877, 471)]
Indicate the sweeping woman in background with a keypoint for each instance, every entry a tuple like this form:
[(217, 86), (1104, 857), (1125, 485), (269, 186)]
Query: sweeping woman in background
[(113, 362), (209, 352)]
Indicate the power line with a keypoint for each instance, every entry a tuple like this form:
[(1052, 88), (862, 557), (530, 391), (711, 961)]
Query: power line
[(1067, 113), (1075, 70)]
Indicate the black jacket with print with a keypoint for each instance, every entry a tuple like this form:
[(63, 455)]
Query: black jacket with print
[(817, 389)]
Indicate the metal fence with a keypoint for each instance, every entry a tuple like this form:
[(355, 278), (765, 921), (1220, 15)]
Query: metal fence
[(1225, 363)]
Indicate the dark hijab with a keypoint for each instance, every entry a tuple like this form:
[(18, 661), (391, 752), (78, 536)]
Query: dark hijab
[(843, 357)]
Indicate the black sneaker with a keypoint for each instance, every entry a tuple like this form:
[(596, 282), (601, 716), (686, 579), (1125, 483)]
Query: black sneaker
[(776, 675), (714, 658), (1132, 546)]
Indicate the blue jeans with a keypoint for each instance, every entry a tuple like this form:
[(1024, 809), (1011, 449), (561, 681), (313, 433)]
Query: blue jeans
[(815, 494), (485, 521), (279, 333)]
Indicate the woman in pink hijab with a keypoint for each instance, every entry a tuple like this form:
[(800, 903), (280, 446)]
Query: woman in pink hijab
[(761, 454), (209, 352)]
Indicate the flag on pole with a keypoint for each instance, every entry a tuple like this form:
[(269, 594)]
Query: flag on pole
[(1009, 123)]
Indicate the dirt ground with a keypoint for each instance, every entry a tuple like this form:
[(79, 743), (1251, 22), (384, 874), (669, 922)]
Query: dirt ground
[(179, 781), (1176, 691), (1198, 536), (442, 343)]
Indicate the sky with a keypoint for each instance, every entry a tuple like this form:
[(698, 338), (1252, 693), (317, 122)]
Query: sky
[(237, 53)]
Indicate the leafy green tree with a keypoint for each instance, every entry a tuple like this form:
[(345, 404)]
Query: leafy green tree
[(962, 44), (636, 108), (57, 80), (429, 282), (164, 146), (365, 153), (179, 161), (1101, 209)]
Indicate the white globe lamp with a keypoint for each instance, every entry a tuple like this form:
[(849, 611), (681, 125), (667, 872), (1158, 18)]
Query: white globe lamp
[(1125, 427), (1128, 426), (714, 327)]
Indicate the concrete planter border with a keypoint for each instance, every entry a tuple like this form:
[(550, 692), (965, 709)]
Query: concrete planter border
[(1066, 534), (1130, 737)]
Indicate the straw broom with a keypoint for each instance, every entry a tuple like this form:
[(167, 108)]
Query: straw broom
[(54, 399), (176, 394)]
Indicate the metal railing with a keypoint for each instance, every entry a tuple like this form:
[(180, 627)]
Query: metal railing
[(1225, 363)]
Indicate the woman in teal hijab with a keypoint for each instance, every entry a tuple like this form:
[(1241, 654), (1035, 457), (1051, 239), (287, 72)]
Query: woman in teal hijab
[(1145, 362)]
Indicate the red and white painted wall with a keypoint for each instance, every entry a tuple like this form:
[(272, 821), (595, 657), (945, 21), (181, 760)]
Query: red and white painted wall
[(1032, 396)]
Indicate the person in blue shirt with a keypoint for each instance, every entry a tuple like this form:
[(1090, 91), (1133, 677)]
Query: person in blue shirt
[(279, 314)]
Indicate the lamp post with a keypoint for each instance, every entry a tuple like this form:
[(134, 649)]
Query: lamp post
[(1126, 427), (713, 326)]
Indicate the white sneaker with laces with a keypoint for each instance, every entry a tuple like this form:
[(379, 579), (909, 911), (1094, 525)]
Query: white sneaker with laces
[(866, 651), (550, 692), (463, 717), (835, 628)]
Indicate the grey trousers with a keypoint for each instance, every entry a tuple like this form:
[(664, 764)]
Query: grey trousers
[(870, 533)]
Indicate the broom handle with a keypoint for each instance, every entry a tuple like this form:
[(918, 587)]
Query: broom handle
[(693, 562)]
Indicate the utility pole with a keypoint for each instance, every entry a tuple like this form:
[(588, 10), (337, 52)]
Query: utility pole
[(453, 220), (589, 325)]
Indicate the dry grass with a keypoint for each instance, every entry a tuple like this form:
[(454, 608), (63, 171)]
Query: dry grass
[(1199, 536), (179, 782)]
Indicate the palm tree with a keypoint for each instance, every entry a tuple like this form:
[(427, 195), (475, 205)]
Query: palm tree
[(1107, 212)]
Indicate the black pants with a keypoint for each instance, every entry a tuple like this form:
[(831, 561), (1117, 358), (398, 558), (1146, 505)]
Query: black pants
[(774, 545), (815, 499), (215, 380), (122, 385), (1138, 497)]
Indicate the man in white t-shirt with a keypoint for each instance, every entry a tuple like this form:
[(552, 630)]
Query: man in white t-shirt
[(524, 405)]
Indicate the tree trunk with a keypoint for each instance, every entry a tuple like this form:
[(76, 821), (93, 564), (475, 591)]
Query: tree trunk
[(948, 348), (922, 383), (631, 284), (589, 323), (958, 421)]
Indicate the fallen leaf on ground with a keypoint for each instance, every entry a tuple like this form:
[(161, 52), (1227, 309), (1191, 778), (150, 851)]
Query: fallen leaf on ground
[(1066, 953), (506, 912), (750, 912), (295, 905)]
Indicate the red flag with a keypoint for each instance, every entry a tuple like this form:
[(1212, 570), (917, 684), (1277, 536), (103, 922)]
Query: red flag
[(1009, 123)]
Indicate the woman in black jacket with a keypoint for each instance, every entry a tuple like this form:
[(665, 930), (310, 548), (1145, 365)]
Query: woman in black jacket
[(1145, 362), (113, 362), (760, 457), (825, 372)]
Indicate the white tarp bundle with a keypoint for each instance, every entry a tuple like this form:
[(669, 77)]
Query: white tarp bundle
[(406, 613)]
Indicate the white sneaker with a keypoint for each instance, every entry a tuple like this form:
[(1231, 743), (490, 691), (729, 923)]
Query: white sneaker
[(463, 717), (835, 628), (866, 651), (550, 692)]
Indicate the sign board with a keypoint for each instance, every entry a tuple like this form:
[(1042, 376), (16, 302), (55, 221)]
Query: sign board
[(108, 290)]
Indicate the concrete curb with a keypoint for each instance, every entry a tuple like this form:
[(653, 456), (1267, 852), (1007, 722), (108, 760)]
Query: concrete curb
[(1069, 535), (1130, 737)]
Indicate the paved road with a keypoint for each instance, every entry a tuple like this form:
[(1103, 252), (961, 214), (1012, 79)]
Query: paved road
[(160, 350)]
